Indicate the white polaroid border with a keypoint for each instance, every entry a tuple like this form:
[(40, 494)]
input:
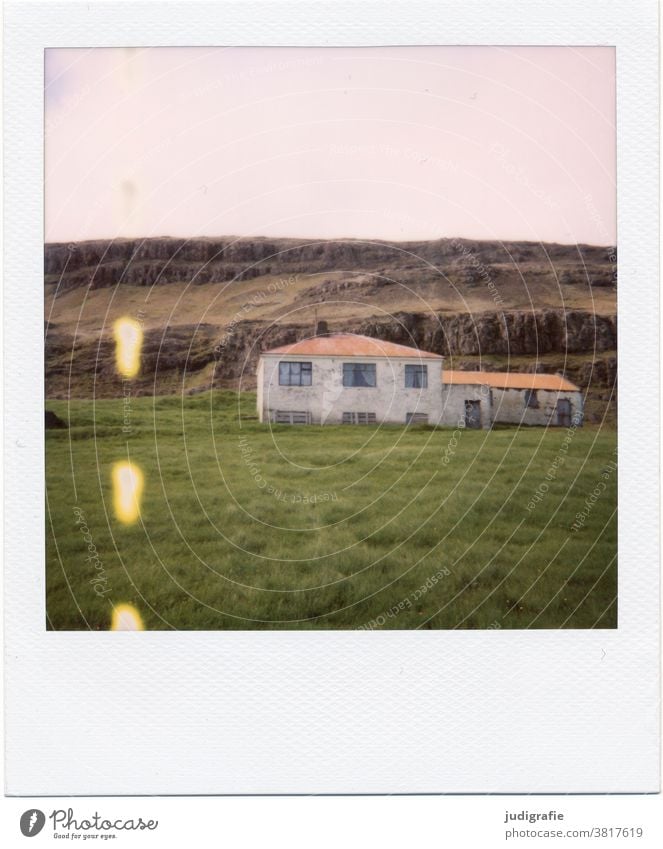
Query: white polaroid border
[(332, 712)]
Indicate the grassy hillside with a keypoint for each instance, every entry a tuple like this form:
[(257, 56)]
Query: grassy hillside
[(329, 295), (245, 526), (90, 284)]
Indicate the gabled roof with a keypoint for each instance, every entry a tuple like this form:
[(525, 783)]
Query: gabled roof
[(510, 380), (350, 345)]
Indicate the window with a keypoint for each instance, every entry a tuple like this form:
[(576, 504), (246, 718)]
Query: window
[(416, 418), (530, 398), (292, 417), (359, 374), (416, 377), (295, 374), (358, 418)]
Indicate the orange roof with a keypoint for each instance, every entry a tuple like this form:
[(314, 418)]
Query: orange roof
[(350, 345), (510, 380)]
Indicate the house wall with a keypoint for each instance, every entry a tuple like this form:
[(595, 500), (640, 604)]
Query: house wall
[(327, 399), (453, 403), (260, 387), (509, 406), (506, 406)]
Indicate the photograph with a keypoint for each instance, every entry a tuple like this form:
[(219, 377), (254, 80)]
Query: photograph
[(330, 338)]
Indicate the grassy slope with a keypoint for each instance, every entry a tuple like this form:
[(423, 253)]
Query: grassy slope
[(214, 550), (219, 303)]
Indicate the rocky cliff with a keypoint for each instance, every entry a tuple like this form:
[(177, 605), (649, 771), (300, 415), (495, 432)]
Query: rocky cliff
[(144, 262)]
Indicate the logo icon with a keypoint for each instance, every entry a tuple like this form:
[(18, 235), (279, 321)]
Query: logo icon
[(32, 822)]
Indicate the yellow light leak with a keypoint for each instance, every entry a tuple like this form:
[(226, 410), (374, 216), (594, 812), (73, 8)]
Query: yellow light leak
[(126, 618), (127, 491), (128, 342)]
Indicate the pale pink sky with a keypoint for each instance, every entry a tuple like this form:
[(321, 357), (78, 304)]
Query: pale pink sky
[(378, 143)]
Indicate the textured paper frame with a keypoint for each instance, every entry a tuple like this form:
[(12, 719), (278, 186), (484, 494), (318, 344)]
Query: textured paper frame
[(328, 712)]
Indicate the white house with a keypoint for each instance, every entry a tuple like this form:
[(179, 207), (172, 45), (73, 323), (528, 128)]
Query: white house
[(349, 379), (344, 378)]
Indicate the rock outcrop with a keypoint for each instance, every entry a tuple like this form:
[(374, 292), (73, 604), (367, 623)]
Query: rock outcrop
[(145, 262)]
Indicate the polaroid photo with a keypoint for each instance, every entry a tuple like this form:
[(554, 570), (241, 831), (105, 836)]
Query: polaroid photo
[(318, 480)]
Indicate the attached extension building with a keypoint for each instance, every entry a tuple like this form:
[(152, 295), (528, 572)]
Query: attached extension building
[(349, 379)]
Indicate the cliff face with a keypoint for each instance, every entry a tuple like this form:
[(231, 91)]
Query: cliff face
[(416, 294), (144, 262), (453, 336), (514, 333)]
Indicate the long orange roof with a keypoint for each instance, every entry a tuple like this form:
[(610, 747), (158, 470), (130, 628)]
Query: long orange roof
[(510, 380), (350, 345)]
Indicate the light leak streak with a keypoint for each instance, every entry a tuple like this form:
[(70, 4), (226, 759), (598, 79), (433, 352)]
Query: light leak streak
[(128, 343), (126, 618), (127, 491)]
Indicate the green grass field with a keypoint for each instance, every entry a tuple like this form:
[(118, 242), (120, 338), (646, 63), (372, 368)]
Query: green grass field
[(247, 527)]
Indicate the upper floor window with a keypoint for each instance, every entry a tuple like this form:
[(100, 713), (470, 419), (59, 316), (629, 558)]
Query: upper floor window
[(530, 398), (295, 374), (416, 377), (359, 374)]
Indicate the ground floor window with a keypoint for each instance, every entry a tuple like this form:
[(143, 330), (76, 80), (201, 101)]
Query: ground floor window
[(531, 399), (359, 418), (292, 417), (416, 418)]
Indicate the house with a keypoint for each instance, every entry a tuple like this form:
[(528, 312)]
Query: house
[(478, 399), (344, 378)]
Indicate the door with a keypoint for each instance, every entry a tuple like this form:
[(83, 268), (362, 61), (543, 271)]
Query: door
[(564, 412), (473, 414)]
